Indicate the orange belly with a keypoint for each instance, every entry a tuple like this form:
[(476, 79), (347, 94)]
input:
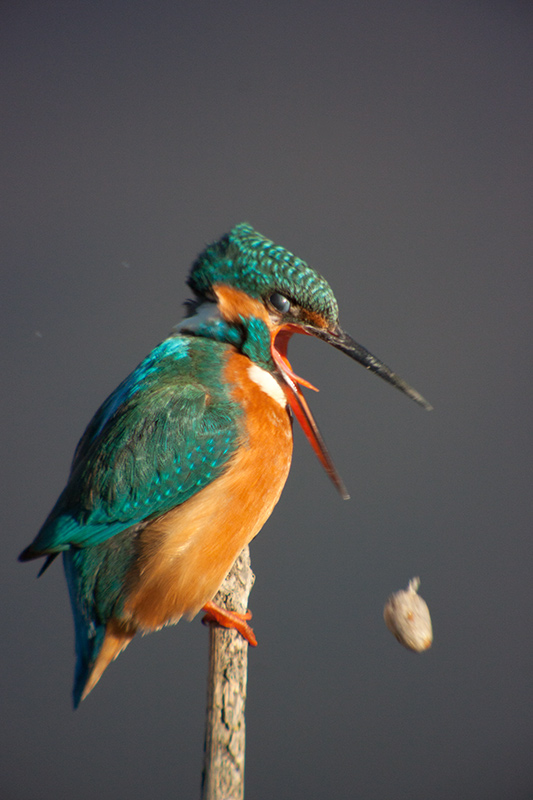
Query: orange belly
[(186, 554)]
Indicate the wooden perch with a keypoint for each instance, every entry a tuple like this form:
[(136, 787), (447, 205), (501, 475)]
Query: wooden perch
[(223, 774)]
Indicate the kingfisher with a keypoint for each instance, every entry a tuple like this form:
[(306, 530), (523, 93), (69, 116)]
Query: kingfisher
[(184, 462)]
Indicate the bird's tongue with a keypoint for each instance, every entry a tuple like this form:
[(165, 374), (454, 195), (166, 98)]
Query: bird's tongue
[(299, 406)]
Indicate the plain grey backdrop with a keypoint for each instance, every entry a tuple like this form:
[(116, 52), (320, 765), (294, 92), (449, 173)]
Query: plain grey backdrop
[(388, 144)]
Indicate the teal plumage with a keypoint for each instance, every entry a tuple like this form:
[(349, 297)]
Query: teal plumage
[(257, 266), (153, 444), (204, 404)]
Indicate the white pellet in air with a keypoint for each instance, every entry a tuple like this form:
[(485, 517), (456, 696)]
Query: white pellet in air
[(407, 616)]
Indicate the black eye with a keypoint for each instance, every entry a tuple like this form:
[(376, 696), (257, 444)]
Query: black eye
[(280, 302)]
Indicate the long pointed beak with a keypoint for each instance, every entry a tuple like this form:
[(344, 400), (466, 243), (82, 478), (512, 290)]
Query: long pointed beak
[(339, 339), (298, 403)]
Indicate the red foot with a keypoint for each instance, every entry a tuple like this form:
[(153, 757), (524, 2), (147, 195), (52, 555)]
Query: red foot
[(230, 619)]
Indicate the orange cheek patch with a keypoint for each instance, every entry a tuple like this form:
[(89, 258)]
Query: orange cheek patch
[(314, 318), (234, 304)]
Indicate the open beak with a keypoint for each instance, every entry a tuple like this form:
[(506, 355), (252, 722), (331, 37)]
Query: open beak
[(339, 339)]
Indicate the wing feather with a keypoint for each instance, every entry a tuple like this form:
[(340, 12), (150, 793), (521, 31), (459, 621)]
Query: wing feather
[(159, 438)]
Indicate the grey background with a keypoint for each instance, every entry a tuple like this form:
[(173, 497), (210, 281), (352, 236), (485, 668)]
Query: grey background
[(389, 144)]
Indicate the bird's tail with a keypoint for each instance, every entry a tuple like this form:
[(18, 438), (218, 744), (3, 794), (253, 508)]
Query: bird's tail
[(94, 656), (100, 637)]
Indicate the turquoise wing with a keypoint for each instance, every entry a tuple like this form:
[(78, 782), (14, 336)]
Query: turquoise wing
[(166, 432)]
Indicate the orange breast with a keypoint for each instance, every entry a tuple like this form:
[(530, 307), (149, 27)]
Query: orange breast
[(186, 553)]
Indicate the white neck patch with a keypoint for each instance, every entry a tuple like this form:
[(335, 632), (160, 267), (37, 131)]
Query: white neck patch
[(205, 312), (209, 312), (267, 383)]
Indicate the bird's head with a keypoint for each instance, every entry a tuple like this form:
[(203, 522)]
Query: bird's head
[(248, 277)]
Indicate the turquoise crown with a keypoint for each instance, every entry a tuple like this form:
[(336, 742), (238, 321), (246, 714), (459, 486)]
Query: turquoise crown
[(247, 260)]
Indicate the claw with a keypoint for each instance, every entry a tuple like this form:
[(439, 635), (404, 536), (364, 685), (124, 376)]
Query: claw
[(230, 619)]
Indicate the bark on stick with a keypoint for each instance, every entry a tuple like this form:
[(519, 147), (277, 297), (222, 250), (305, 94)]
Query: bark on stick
[(223, 774)]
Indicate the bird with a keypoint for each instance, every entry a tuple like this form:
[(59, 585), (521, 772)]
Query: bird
[(184, 462)]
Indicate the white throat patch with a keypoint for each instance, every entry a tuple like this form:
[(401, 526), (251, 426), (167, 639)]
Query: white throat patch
[(267, 383), (208, 312)]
